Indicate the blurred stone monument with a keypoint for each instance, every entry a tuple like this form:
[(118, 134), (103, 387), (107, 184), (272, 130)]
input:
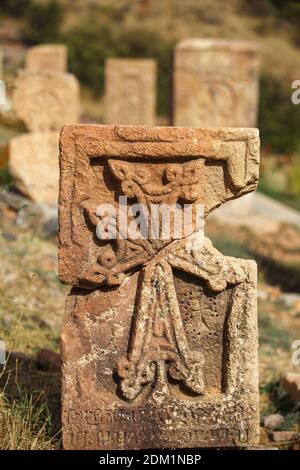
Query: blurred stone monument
[(45, 100), (130, 91), (1, 64), (215, 83), (159, 339), (49, 57), (33, 164)]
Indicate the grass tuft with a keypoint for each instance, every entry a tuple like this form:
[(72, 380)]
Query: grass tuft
[(25, 423)]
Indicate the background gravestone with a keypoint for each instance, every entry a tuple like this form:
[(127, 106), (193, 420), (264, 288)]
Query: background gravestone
[(47, 57), (159, 339), (33, 163), (1, 64), (130, 91), (215, 83), (46, 100)]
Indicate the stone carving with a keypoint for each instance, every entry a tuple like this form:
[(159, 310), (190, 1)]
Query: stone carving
[(46, 101), (130, 91), (33, 163), (159, 340), (49, 57), (215, 83)]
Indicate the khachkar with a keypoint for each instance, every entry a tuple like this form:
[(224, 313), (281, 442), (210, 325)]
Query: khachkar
[(159, 339), (215, 83), (45, 99), (50, 57), (1, 64), (130, 91)]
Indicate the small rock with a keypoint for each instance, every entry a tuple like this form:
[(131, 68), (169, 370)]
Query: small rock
[(296, 446), (11, 237), (49, 219), (50, 227), (41, 217), (16, 358), (290, 382), (283, 436), (290, 299), (10, 278), (48, 360), (39, 321), (273, 421), (262, 294)]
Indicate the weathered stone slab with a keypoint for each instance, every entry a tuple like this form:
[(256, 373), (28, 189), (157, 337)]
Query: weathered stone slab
[(257, 212), (1, 64), (130, 91), (159, 339), (215, 83), (46, 100), (283, 436), (49, 57), (33, 163)]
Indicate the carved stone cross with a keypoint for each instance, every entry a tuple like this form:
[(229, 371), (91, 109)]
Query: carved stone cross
[(159, 340)]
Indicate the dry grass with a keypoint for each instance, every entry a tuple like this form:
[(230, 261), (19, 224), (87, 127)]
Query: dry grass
[(25, 424), (31, 309), (25, 418)]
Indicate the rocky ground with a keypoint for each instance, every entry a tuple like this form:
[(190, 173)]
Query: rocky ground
[(277, 256), (31, 310), (32, 306)]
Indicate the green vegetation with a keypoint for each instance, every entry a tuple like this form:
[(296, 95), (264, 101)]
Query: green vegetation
[(105, 31), (91, 43), (282, 11), (288, 10), (280, 403), (275, 271), (286, 197), (230, 247), (279, 118), (15, 8), (271, 334), (5, 177), (31, 309), (42, 22), (25, 422), (294, 179)]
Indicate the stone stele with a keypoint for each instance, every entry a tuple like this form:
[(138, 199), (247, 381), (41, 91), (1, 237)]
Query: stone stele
[(46, 100), (159, 338), (215, 83), (130, 91), (1, 65), (49, 57), (33, 163)]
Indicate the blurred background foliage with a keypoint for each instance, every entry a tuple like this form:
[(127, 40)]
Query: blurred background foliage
[(279, 119), (91, 43), (106, 29)]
